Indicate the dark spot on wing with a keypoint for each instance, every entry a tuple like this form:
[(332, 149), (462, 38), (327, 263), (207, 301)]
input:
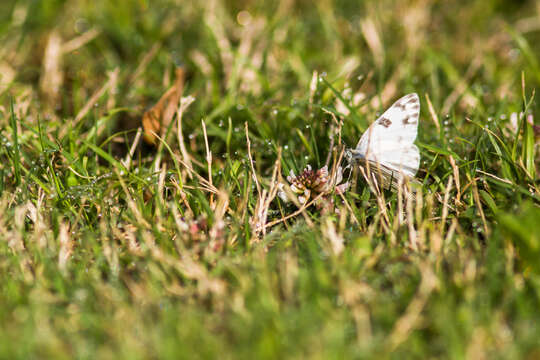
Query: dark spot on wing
[(385, 122), (410, 119), (411, 101), (400, 105), (415, 107)]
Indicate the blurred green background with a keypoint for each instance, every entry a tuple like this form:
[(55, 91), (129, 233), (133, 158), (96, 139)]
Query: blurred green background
[(102, 260)]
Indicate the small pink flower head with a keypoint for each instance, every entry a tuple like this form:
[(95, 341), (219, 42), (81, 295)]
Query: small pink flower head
[(310, 183)]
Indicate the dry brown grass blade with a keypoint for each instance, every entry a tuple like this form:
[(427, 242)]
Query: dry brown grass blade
[(185, 102), (413, 238), (214, 20), (433, 113), (389, 90), (455, 170), (147, 58), (113, 76), (336, 240), (80, 41), (476, 197), (463, 83), (7, 75), (254, 173), (296, 213), (411, 318), (66, 246), (52, 75), (265, 198), (129, 156), (159, 116), (208, 161), (445, 203), (373, 39)]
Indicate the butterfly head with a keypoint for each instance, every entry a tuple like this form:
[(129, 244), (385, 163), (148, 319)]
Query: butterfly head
[(353, 156)]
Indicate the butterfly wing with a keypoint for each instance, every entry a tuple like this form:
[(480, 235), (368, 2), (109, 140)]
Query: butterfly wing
[(389, 141)]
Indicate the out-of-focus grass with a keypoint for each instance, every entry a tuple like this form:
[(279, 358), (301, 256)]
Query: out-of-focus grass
[(151, 258)]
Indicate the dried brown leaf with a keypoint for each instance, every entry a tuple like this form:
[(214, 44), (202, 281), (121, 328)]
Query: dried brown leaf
[(157, 119)]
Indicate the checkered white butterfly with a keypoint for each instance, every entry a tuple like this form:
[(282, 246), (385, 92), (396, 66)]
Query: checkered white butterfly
[(387, 147)]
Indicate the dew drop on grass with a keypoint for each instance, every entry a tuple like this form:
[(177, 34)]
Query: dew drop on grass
[(502, 117), (513, 53), (308, 126), (236, 129), (220, 123), (286, 147)]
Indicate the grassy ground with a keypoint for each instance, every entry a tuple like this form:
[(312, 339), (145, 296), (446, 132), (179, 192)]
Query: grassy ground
[(114, 248)]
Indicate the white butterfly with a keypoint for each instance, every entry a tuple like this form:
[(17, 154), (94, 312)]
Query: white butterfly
[(387, 147)]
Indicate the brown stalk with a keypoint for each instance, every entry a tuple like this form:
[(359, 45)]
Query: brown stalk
[(147, 58), (52, 75), (258, 222), (410, 222), (461, 85), (455, 170), (208, 161), (433, 114), (184, 104), (254, 174), (80, 40), (406, 324), (129, 156), (297, 212), (66, 246), (479, 206), (95, 97), (445, 203)]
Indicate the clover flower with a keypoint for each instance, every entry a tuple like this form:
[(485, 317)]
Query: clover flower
[(310, 183)]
